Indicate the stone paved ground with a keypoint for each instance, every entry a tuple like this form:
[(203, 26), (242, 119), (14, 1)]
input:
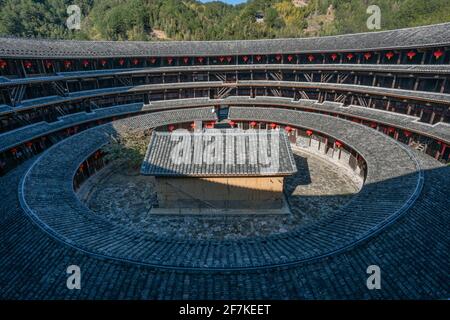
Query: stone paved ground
[(123, 196)]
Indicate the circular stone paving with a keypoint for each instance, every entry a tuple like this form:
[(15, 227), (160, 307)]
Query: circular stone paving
[(121, 195)]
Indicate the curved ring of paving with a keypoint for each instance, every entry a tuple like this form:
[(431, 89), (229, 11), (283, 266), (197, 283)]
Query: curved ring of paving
[(394, 181)]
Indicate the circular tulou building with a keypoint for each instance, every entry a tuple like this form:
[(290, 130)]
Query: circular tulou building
[(366, 121)]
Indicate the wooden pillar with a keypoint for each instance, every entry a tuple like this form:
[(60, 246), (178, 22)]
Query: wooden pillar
[(433, 115), (443, 85)]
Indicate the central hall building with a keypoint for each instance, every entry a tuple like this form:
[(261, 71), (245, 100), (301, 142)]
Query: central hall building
[(219, 171)]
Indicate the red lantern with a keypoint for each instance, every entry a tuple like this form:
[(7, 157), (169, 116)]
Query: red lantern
[(152, 60), (309, 133), (169, 60), (278, 57), (121, 61), (411, 55), (3, 64), (103, 62), (82, 167), (407, 133), (437, 54), (13, 151), (310, 58), (245, 58), (67, 64), (193, 125), (390, 130), (334, 56), (338, 144), (171, 127), (258, 58), (350, 56), (221, 59), (232, 123), (135, 61), (29, 145), (185, 60), (273, 125), (288, 129), (290, 58), (253, 124), (229, 59), (200, 59), (85, 63), (373, 125), (28, 64), (367, 55), (389, 55)]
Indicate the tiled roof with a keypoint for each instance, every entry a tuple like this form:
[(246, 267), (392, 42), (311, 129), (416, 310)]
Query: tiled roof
[(425, 36), (237, 153)]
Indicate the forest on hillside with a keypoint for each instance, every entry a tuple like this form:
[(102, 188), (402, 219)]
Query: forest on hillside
[(194, 20)]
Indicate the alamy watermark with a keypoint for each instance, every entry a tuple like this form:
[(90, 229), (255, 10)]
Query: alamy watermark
[(259, 148), (74, 280), (374, 21), (374, 280), (73, 22)]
